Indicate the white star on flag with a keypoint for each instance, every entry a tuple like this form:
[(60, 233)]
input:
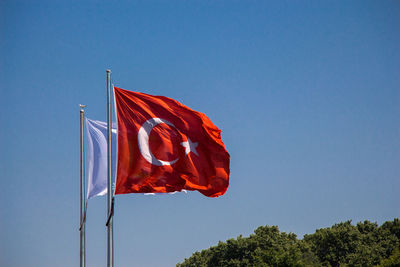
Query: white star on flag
[(190, 146)]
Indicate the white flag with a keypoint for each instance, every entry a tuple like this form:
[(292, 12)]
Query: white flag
[(97, 157)]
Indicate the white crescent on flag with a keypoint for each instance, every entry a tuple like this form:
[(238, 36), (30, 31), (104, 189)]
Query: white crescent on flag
[(144, 147)]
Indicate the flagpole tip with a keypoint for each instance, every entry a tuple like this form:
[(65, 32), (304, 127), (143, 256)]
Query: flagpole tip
[(108, 71), (82, 107)]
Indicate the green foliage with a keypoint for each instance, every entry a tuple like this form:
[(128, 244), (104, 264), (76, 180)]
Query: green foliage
[(266, 247), (393, 227), (343, 244), (392, 261)]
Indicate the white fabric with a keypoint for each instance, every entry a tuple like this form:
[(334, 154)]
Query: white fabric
[(97, 157)]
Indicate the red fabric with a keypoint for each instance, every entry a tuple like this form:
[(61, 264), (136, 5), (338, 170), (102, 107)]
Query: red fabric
[(201, 163)]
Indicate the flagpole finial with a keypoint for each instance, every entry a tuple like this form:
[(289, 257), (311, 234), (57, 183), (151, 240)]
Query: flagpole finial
[(108, 71), (82, 107)]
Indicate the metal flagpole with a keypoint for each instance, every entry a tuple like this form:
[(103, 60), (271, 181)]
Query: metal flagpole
[(110, 202), (82, 185)]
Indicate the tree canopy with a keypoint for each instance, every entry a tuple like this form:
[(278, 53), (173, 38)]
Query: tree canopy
[(343, 244)]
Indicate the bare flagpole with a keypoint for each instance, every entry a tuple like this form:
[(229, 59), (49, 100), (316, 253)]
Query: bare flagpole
[(110, 202), (82, 185)]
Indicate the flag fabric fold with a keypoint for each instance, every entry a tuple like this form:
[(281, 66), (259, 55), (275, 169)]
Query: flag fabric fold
[(164, 146), (97, 157)]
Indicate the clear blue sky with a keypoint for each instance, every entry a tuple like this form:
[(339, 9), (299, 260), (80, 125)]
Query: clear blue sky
[(307, 94)]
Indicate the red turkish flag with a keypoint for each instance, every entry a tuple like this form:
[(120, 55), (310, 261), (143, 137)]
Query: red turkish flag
[(164, 146)]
